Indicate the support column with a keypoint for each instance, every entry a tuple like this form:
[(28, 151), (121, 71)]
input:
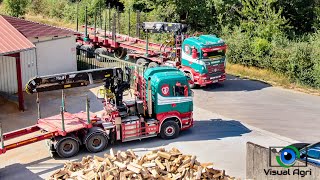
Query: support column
[(19, 80)]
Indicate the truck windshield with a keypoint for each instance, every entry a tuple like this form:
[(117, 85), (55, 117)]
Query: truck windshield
[(215, 54)]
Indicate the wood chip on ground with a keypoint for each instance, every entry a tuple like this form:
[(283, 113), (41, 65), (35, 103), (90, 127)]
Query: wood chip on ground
[(157, 164)]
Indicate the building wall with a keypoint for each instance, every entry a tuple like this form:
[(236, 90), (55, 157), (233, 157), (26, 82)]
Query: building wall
[(28, 65), (8, 75), (56, 56)]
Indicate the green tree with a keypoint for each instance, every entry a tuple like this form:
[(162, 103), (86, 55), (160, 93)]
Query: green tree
[(15, 8), (259, 18), (301, 14)]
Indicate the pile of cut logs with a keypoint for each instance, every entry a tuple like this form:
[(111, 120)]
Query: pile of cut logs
[(157, 164)]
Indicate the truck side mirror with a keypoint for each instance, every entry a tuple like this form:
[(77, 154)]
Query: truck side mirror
[(186, 90)]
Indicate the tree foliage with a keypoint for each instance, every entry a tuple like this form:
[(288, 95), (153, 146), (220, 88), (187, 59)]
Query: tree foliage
[(15, 8), (281, 35)]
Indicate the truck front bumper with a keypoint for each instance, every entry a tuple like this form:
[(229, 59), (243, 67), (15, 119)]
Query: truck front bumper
[(187, 122), (204, 79)]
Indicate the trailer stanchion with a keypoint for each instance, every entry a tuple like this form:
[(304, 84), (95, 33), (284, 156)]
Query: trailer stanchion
[(129, 23), (105, 27), (138, 24), (109, 17), (100, 15), (95, 23), (114, 28), (38, 106), (147, 40), (118, 11), (63, 101), (88, 109), (77, 18), (1, 138), (62, 119), (86, 26)]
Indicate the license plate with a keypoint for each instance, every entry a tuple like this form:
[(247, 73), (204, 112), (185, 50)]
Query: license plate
[(216, 77)]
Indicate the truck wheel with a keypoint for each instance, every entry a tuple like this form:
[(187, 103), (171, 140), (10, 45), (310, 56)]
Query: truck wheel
[(78, 47), (142, 62), (96, 141), (120, 53), (169, 130), (87, 51), (67, 147), (99, 51), (192, 85), (153, 64)]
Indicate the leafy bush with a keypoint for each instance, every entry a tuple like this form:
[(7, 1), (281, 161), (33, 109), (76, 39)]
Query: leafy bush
[(15, 8)]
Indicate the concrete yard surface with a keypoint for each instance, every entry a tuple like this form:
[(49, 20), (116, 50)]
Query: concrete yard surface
[(213, 138)]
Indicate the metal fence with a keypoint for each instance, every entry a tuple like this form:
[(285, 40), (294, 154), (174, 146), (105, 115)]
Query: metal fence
[(90, 60)]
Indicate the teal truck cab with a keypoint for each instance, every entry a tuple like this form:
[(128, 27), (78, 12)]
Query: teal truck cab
[(165, 97), (203, 59)]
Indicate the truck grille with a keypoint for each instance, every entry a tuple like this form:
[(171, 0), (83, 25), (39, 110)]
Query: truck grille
[(214, 69)]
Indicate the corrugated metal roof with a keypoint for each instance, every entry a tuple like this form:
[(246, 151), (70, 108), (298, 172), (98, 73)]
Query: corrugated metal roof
[(34, 29), (11, 40)]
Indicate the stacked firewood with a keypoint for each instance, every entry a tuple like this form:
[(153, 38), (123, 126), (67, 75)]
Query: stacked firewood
[(157, 164)]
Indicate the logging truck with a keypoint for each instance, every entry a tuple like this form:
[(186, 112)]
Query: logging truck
[(163, 106)]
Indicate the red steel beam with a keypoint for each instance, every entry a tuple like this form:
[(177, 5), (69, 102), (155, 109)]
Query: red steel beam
[(150, 52), (20, 132), (19, 80), (28, 141)]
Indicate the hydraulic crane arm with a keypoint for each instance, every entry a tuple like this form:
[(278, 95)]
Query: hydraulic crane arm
[(164, 27), (112, 77)]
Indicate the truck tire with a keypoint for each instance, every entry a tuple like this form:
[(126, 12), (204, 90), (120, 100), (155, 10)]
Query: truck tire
[(96, 140), (67, 147), (193, 85), (87, 51), (142, 62), (153, 64), (169, 130), (78, 47), (99, 51), (120, 53)]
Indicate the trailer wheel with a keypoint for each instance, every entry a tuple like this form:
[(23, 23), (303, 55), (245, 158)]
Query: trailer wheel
[(192, 85), (153, 64), (87, 51), (99, 51), (169, 130), (67, 147), (142, 62), (78, 47), (120, 53), (96, 140)]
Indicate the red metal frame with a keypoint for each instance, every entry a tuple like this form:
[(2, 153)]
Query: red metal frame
[(29, 141), (139, 130), (20, 132), (73, 122), (215, 48), (19, 80)]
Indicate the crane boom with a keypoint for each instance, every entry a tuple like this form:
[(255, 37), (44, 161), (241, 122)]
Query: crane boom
[(75, 79)]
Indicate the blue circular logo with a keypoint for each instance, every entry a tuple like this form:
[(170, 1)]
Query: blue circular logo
[(288, 156)]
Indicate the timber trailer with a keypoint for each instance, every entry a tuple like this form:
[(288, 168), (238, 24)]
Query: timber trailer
[(202, 57), (162, 107)]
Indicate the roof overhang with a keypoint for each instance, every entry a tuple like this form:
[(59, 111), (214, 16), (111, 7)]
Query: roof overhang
[(12, 41)]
